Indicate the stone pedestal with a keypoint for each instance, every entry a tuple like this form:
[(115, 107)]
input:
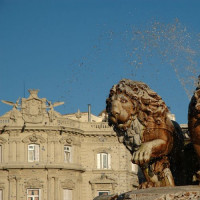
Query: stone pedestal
[(161, 193)]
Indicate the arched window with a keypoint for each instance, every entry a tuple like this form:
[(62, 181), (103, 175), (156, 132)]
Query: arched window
[(103, 161), (33, 152)]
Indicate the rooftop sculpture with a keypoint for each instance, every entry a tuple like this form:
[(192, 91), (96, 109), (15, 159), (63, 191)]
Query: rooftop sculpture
[(33, 109)]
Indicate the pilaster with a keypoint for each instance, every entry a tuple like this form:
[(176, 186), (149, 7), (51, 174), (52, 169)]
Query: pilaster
[(50, 188), (56, 189), (12, 187)]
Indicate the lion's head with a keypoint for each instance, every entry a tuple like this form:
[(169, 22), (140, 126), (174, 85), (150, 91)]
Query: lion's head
[(129, 99), (131, 106)]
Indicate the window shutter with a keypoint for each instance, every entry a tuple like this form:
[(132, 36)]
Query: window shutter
[(37, 149), (104, 160), (109, 161), (70, 155), (67, 194), (98, 161), (30, 153), (64, 194)]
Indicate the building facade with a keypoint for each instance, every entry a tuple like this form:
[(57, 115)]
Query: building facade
[(45, 155)]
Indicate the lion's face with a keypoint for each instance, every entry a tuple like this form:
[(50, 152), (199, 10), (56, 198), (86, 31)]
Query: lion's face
[(121, 111)]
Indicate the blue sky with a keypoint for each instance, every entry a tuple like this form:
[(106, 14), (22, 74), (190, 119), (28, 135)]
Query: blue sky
[(74, 51)]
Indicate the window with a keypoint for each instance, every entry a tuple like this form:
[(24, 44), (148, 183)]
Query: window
[(33, 152), (103, 161), (33, 194), (100, 193), (67, 154), (67, 194), (1, 194)]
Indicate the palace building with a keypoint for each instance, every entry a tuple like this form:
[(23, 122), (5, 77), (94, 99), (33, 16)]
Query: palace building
[(45, 155)]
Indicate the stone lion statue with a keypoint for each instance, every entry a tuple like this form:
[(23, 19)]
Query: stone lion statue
[(194, 124), (140, 119)]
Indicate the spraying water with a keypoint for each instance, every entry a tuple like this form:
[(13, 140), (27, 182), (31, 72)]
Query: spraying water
[(133, 48), (171, 44)]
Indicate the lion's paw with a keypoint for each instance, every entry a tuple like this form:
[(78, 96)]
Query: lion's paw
[(142, 155), (146, 185)]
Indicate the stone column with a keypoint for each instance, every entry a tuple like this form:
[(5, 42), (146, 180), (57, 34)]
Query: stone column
[(12, 188), (12, 151), (93, 190), (18, 189), (18, 152), (56, 152), (50, 153), (56, 189), (50, 189), (5, 157)]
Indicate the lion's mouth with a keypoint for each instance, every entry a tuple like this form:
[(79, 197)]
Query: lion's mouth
[(113, 120), (121, 124), (198, 106)]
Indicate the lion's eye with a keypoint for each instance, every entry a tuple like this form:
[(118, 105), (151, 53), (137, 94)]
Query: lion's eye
[(123, 100)]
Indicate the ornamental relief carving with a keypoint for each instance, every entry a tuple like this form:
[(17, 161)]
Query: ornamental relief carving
[(103, 179), (2, 140), (34, 183), (34, 139), (103, 182), (102, 150), (66, 140), (2, 185), (33, 109), (68, 184)]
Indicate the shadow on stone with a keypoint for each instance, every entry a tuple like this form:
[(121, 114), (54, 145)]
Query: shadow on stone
[(160, 193)]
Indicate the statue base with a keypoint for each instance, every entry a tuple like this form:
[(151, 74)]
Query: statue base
[(189, 192)]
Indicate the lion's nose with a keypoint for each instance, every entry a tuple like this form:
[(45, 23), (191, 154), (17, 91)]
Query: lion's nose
[(115, 108), (115, 112)]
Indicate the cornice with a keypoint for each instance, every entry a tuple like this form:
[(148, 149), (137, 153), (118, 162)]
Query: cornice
[(43, 128), (100, 135), (68, 166)]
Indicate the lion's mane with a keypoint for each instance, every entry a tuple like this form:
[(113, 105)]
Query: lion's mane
[(150, 104)]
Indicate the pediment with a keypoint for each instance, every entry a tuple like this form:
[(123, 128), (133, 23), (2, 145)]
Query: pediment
[(103, 179), (34, 183), (102, 150), (68, 184), (34, 139), (66, 140)]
